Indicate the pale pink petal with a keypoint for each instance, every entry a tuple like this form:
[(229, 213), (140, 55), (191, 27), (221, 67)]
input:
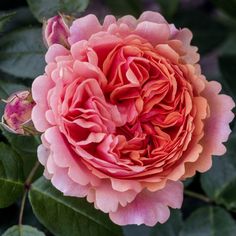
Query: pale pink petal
[(128, 20), (150, 207), (108, 200), (152, 16), (40, 87), (55, 51), (108, 20), (39, 119), (43, 154), (63, 183), (217, 128), (83, 28), (155, 33), (173, 30)]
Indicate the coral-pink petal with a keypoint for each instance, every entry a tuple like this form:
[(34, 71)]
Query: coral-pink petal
[(83, 28), (155, 33), (150, 207), (124, 185), (55, 51), (166, 51)]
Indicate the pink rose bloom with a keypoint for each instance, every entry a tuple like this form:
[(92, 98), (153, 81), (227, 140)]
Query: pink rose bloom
[(126, 114)]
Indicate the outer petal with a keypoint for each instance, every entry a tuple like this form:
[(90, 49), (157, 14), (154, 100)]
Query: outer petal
[(189, 53), (108, 200), (108, 20), (150, 207), (152, 17), (83, 28), (40, 88), (153, 32), (216, 128), (54, 51)]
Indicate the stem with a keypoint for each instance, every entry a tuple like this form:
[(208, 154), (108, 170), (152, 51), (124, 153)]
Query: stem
[(27, 187), (197, 196), (22, 207), (31, 175)]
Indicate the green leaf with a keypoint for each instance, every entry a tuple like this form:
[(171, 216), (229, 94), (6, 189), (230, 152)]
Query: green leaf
[(4, 18), (23, 230), (9, 87), (227, 62), (9, 216), (66, 215), (228, 6), (219, 183), (134, 230), (26, 148), (22, 53), (44, 9), (123, 7), (171, 228), (168, 7), (11, 176), (208, 221), (188, 181), (208, 33), (227, 65), (22, 18)]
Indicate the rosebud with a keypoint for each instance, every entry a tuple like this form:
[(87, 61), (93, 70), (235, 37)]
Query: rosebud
[(56, 30), (17, 113)]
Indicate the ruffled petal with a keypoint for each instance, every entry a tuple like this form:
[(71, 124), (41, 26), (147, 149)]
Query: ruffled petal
[(83, 28), (216, 128), (150, 207), (40, 87), (152, 16), (55, 51), (153, 32)]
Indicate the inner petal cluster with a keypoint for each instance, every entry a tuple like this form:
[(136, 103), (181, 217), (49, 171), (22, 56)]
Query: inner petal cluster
[(134, 111)]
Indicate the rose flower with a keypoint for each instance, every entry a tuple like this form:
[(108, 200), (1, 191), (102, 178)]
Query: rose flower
[(126, 115)]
